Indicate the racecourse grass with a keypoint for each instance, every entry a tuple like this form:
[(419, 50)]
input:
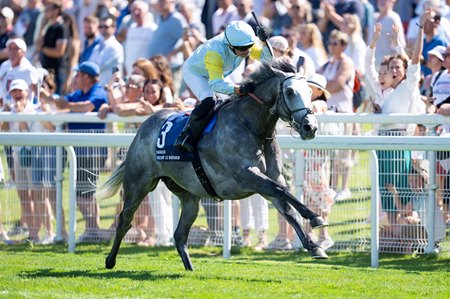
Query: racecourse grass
[(50, 272)]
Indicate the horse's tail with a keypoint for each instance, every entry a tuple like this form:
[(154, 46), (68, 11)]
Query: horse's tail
[(112, 185)]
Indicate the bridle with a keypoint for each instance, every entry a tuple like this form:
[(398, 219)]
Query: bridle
[(280, 107)]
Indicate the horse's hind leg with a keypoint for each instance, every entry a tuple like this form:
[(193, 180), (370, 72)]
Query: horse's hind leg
[(291, 217), (133, 196), (189, 211)]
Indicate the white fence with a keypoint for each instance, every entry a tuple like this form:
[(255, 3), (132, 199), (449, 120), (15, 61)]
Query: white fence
[(370, 143)]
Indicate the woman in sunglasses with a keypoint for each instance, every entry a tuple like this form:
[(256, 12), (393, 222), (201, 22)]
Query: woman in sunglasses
[(204, 72)]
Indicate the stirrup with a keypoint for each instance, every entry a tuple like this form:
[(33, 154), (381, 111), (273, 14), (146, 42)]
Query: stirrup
[(183, 143)]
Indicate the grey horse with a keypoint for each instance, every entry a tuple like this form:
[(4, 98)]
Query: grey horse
[(240, 156)]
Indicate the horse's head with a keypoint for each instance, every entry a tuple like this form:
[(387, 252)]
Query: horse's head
[(293, 104), (289, 97)]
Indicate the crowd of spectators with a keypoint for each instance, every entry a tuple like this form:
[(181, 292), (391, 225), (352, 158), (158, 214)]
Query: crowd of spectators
[(125, 57)]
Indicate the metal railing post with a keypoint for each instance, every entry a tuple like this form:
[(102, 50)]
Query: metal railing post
[(226, 229), (59, 188), (72, 197), (374, 210)]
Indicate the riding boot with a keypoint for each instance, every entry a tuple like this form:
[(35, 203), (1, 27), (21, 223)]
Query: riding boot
[(187, 139)]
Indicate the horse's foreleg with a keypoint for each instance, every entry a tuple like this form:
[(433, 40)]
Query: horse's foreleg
[(291, 217), (269, 188), (189, 212)]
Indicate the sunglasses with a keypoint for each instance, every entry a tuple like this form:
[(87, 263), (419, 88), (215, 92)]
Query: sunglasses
[(334, 43), (131, 85), (445, 55), (242, 48), (103, 27)]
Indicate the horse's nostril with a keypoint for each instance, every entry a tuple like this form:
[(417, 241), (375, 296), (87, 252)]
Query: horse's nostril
[(307, 128)]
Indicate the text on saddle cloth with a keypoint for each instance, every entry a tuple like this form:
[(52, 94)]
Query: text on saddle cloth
[(170, 130)]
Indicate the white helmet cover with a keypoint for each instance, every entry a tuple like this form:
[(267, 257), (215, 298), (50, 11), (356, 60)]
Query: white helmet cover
[(239, 33)]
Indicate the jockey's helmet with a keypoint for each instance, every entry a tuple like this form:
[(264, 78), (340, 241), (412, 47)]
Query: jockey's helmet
[(239, 33)]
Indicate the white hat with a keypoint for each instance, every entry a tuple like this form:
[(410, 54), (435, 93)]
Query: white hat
[(279, 43), (18, 84), (438, 51), (239, 33), (8, 13), (19, 43), (319, 81)]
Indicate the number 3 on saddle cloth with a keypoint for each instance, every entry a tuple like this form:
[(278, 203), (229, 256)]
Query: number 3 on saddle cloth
[(172, 127)]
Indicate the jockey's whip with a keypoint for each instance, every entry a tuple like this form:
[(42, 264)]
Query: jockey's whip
[(267, 42)]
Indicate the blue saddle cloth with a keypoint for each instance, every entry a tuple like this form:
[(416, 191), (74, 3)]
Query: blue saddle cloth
[(170, 130)]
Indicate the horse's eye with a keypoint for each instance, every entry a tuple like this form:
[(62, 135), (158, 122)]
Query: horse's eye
[(290, 91)]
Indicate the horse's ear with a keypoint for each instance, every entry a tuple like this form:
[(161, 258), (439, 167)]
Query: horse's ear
[(278, 73)]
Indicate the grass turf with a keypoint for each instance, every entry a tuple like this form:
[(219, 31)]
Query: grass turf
[(50, 272)]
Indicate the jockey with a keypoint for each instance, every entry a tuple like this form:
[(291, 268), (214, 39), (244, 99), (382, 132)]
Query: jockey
[(205, 69)]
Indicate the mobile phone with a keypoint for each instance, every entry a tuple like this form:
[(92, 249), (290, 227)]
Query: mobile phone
[(115, 69)]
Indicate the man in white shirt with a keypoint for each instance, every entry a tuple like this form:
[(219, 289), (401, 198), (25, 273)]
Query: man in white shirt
[(108, 54)]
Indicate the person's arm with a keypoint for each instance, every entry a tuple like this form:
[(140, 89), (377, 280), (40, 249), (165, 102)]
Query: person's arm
[(418, 46), (58, 51), (444, 110), (125, 109), (369, 59)]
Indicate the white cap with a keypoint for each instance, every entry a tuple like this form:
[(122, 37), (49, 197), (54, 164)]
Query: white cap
[(18, 84), (438, 51), (19, 43), (8, 13), (319, 81)]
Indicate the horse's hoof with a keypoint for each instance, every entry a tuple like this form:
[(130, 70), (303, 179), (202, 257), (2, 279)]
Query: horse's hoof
[(110, 263), (318, 222), (318, 253)]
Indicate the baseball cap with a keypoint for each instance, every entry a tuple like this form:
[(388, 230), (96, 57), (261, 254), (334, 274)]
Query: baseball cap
[(19, 84), (438, 51), (88, 67), (7, 13), (319, 81), (20, 43)]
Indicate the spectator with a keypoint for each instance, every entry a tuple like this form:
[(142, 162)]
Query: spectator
[(73, 49), (300, 59), (169, 35), (406, 76), (27, 23), (318, 194), (388, 18), (340, 74), (381, 82), (139, 35), (54, 43), (444, 24), (226, 12), (187, 10), (165, 76), (92, 37), (277, 13), (90, 161), (255, 215), (310, 41), (22, 162), (340, 7), (431, 40), (108, 53), (244, 9), (435, 64), (300, 12), (3, 234), (16, 67), (6, 31), (441, 103)]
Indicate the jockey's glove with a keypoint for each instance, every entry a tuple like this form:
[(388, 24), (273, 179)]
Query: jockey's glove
[(262, 33), (247, 88)]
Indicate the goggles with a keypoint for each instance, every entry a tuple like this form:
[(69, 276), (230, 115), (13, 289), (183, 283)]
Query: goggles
[(242, 48)]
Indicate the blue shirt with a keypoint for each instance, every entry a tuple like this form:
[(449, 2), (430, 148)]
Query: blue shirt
[(97, 96), (168, 36), (428, 46), (87, 52)]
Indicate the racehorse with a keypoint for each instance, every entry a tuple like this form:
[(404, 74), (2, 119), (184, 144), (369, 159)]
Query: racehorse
[(240, 157)]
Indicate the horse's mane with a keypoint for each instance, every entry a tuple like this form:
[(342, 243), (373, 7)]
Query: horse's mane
[(266, 69)]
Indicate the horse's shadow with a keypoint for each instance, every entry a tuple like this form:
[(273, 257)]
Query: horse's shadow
[(147, 275)]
